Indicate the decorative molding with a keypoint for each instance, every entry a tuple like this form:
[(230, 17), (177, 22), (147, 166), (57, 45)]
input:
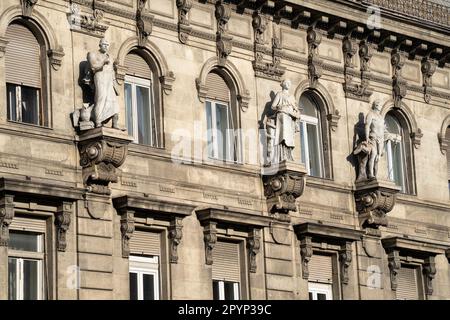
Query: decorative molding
[(444, 142), (127, 228), (167, 81), (253, 246), (210, 239), (175, 236), (399, 84), (306, 253), (9, 165), (144, 23), (27, 7), (56, 56), (184, 28), (314, 38), (429, 271), (6, 217), (62, 223), (3, 43), (428, 68), (54, 172), (345, 259), (394, 265), (91, 24), (223, 39)]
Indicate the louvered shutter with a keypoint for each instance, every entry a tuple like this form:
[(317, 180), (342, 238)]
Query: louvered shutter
[(28, 224), (145, 243), (226, 262), (137, 66), (407, 284), (320, 269), (22, 57), (217, 87)]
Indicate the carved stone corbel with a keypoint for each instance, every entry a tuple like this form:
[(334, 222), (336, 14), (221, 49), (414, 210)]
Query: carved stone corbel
[(314, 38), (3, 44), (210, 239), (56, 56), (126, 229), (144, 23), (345, 259), (394, 265), (223, 39), (416, 138), (202, 90), (253, 245), (283, 185), (333, 119), (6, 217), (167, 81), (360, 91), (184, 28), (91, 24), (121, 72), (102, 151), (306, 252), (428, 68), (62, 221), (443, 143), (243, 100), (175, 235), (373, 201), (27, 7), (398, 82), (429, 271)]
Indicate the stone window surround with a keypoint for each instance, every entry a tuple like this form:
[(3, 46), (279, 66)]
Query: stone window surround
[(312, 236), (407, 250), (14, 193), (223, 223)]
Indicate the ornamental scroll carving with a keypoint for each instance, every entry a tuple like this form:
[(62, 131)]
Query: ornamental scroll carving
[(62, 223), (6, 216), (223, 39), (184, 28)]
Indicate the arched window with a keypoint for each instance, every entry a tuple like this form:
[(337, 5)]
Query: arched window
[(222, 119), (398, 152), (26, 76), (311, 134), (142, 96)]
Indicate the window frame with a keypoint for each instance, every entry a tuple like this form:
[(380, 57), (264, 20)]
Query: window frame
[(419, 279), (135, 82), (304, 122), (135, 266), (316, 287), (236, 289)]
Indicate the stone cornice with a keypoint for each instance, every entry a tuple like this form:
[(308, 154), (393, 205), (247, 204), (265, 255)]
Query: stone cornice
[(421, 247), (38, 189), (152, 205), (228, 217), (327, 231)]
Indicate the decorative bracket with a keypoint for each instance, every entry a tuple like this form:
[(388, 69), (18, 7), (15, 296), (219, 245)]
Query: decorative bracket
[(416, 137), (144, 23), (167, 81), (253, 245), (429, 271), (27, 7), (398, 82), (223, 39), (6, 216), (175, 235), (62, 222), (306, 252), (345, 259), (314, 38), (3, 44), (126, 229), (210, 239), (184, 28), (394, 265), (428, 69), (283, 184), (56, 56)]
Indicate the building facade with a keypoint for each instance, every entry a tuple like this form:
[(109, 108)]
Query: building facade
[(180, 200)]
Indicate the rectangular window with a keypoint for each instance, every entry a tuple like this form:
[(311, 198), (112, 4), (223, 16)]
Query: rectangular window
[(25, 266), (320, 291), (396, 164), (225, 290), (226, 271), (144, 278), (140, 111), (220, 135), (409, 283), (24, 104), (321, 277)]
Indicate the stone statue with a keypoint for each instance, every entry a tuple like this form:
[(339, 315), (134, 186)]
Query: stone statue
[(102, 69), (282, 125), (371, 148)]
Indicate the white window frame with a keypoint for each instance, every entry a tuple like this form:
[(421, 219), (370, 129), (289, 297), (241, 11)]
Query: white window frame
[(146, 83), (230, 148), (20, 257), (149, 266), (222, 289), (304, 120), (322, 288), (18, 106), (390, 161)]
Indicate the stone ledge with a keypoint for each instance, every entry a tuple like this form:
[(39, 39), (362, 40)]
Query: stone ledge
[(327, 231), (226, 216), (415, 245)]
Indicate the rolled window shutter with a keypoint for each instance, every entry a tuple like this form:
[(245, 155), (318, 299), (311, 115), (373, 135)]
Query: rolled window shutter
[(320, 269), (226, 262), (137, 66), (28, 224), (407, 284), (217, 88), (22, 57), (145, 243)]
